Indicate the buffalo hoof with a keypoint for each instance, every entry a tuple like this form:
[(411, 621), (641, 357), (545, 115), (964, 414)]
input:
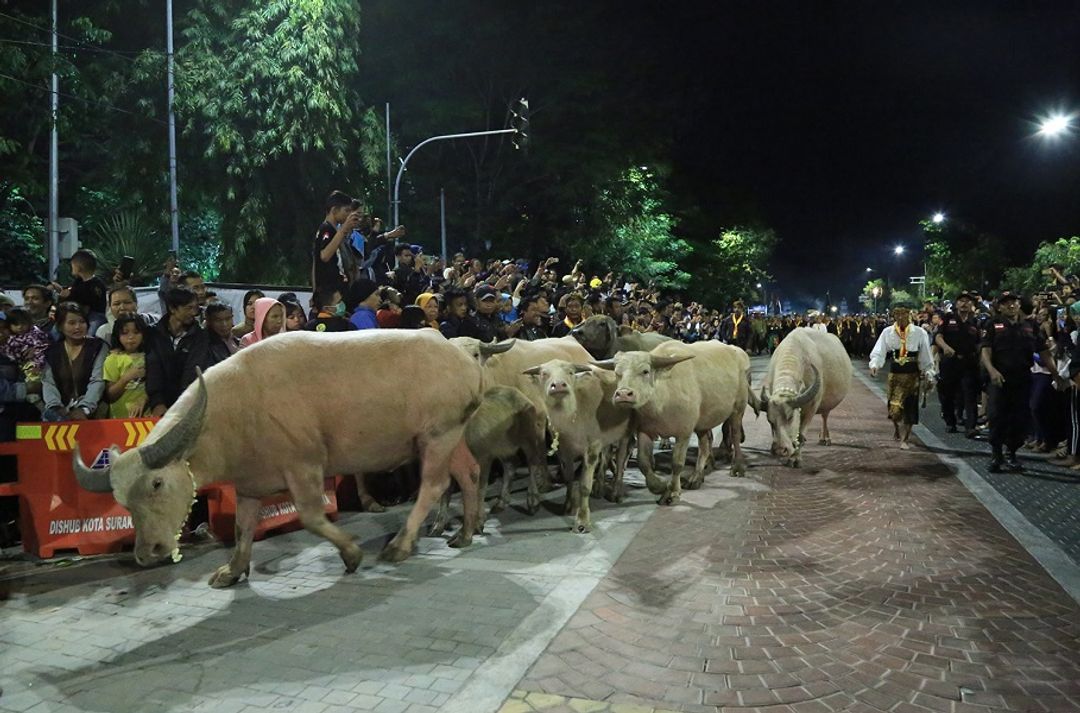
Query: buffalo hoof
[(693, 482), (460, 539), (544, 485), (437, 527), (352, 556), (614, 494), (394, 553), (669, 498), (373, 507), (738, 471), (532, 504), (223, 577), (581, 528), (498, 506), (825, 442)]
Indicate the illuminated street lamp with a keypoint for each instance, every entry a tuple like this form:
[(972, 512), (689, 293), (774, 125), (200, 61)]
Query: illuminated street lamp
[(876, 292), (1055, 125), (938, 218), (898, 250)]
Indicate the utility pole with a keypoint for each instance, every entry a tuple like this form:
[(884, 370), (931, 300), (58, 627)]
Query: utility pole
[(389, 195), (54, 155), (174, 213), (442, 222)]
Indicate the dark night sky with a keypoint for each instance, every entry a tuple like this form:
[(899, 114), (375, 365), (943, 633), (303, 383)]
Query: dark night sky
[(844, 124)]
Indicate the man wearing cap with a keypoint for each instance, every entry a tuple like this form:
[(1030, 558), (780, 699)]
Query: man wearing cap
[(1008, 345), (958, 340), (908, 348), (485, 323), (364, 293)]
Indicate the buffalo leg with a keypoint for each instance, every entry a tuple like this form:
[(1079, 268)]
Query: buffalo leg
[(593, 460), (614, 493), (434, 479), (673, 492), (247, 519), (368, 503), (503, 499), (566, 465), (738, 459), (442, 516), (704, 451), (466, 473), (645, 464), (308, 496), (825, 439)]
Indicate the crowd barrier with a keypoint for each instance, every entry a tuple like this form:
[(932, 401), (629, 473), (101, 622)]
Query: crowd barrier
[(56, 515)]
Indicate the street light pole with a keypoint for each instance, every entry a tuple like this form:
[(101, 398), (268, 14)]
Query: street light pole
[(174, 211), (54, 155), (405, 162)]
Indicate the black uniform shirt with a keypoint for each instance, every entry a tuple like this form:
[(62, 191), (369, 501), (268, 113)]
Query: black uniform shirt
[(961, 336), (1013, 346)]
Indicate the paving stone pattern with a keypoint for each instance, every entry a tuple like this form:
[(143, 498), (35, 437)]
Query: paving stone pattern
[(870, 580), (434, 633)]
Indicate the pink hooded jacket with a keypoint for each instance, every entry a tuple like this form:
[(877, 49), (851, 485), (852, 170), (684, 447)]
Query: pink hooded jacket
[(262, 306)]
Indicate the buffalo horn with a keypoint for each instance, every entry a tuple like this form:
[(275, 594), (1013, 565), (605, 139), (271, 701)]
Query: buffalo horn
[(175, 442), (96, 481), (809, 392), (608, 364), (663, 362), (582, 369), (487, 349)]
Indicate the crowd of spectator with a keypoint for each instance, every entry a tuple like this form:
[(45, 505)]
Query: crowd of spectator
[(89, 350)]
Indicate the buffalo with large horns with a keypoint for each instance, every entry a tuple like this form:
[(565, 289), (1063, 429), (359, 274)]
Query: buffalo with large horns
[(809, 373), (286, 412)]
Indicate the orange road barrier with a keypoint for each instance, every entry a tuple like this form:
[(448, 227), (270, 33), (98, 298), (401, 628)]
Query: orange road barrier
[(56, 515)]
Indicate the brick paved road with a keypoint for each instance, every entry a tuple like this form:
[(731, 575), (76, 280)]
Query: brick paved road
[(869, 581)]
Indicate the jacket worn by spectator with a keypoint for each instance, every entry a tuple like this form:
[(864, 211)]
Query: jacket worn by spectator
[(364, 318), (91, 294), (205, 350), (77, 383), (486, 328), (166, 356), (409, 282), (326, 322)]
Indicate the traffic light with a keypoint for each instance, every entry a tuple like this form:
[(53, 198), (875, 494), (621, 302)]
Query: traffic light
[(519, 122)]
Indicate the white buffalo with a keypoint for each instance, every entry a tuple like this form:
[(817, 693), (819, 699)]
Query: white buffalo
[(809, 373)]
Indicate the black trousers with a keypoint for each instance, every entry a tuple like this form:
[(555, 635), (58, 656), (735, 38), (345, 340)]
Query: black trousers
[(1010, 411), (958, 390)]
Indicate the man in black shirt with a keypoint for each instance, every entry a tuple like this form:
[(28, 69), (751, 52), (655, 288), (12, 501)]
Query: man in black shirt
[(87, 289), (958, 340), (530, 325), (1009, 344), (340, 221), (167, 347), (735, 330), (485, 323), (409, 278)]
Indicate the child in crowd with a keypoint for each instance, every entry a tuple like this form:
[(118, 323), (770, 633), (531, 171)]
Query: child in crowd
[(331, 312), (26, 347), (212, 345), (269, 320), (125, 367), (87, 289), (245, 327)]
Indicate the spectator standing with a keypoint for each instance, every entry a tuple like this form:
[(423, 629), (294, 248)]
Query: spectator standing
[(212, 345), (337, 225), (167, 349), (72, 384), (409, 277), (958, 384), (366, 295), (330, 312), (195, 282), (734, 330), (269, 320), (533, 310), (124, 370), (248, 324), (38, 300)]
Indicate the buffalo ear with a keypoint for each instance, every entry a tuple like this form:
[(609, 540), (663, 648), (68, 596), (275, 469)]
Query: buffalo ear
[(532, 371), (608, 364), (582, 369)]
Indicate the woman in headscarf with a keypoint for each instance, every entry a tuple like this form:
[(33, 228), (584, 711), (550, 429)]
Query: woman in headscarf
[(429, 302), (269, 320)]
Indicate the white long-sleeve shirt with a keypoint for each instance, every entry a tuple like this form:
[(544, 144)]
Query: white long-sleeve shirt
[(918, 346)]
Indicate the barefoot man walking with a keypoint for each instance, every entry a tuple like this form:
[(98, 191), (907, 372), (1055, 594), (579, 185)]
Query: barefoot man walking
[(908, 348)]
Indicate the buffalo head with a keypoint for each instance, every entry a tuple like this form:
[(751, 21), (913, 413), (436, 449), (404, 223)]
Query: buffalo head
[(638, 372), (597, 334), (784, 410), (154, 481)]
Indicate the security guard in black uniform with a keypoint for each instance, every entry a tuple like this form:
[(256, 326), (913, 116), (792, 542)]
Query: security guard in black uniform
[(958, 340), (1009, 344)]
